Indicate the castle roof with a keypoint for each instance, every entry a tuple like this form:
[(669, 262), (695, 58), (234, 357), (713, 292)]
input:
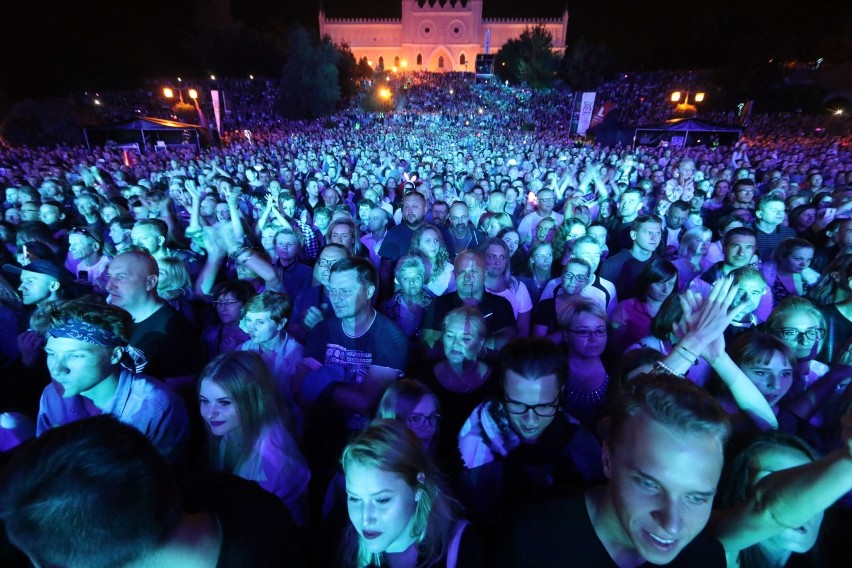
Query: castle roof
[(491, 9)]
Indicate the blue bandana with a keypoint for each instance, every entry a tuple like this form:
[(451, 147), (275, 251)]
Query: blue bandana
[(132, 359)]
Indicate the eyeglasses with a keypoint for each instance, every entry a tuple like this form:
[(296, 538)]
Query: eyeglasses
[(225, 302), (418, 421), (326, 262), (791, 334), (569, 277), (585, 332), (543, 410)]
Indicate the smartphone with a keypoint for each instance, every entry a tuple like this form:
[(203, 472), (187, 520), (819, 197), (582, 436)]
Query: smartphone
[(83, 275)]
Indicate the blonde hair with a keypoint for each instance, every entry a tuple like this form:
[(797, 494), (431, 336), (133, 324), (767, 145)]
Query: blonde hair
[(388, 445)]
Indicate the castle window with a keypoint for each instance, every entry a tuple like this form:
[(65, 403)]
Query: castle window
[(396, 61), (420, 59), (441, 62), (462, 59), (381, 62)]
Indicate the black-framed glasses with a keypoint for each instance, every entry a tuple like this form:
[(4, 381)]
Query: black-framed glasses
[(580, 278), (326, 262), (792, 334), (418, 421), (544, 410), (585, 332)]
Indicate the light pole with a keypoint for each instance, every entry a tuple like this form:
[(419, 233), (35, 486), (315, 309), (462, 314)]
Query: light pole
[(684, 104)]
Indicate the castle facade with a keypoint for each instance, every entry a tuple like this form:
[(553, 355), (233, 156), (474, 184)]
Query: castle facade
[(431, 36)]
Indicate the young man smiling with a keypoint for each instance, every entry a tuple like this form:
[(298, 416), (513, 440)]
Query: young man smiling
[(663, 458)]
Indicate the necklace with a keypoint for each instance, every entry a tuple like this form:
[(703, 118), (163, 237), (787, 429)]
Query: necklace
[(575, 392), (352, 335)]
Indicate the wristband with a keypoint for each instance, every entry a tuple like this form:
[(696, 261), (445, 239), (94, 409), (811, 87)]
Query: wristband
[(690, 360), (689, 352)]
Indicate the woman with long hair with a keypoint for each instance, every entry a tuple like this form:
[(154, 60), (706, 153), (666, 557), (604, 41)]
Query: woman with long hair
[(246, 432), (400, 515), (499, 281), (539, 269), (568, 231), (518, 259), (631, 318), (344, 231), (428, 244)]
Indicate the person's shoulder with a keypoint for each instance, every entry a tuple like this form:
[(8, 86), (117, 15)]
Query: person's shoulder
[(618, 257), (385, 325), (150, 388)]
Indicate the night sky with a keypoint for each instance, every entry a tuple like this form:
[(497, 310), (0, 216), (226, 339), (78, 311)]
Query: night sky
[(56, 46)]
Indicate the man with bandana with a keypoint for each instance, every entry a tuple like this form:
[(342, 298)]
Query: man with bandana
[(95, 371)]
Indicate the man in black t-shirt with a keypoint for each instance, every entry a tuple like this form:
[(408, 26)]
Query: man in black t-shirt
[(397, 240), (163, 334)]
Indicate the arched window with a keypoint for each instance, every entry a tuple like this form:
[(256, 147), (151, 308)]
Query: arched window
[(420, 59), (441, 62), (462, 59), (396, 61), (381, 62)]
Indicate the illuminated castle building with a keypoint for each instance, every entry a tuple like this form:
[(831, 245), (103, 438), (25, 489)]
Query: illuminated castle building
[(431, 36)]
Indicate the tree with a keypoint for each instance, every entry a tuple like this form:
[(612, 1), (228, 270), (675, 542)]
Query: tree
[(583, 65), (529, 59), (347, 70), (309, 84), (364, 71)]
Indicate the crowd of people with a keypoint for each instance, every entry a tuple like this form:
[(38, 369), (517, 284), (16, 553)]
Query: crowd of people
[(429, 337)]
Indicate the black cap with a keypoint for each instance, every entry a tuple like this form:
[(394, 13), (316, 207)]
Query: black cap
[(47, 267)]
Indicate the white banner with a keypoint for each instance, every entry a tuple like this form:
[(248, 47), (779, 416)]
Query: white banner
[(587, 106), (214, 95)]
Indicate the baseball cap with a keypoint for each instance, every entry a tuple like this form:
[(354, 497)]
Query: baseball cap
[(47, 267)]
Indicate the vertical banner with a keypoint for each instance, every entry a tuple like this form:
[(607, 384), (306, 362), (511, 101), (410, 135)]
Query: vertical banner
[(587, 106), (214, 95), (487, 41)]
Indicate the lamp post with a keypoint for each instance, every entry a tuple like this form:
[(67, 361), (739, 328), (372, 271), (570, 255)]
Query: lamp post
[(685, 104)]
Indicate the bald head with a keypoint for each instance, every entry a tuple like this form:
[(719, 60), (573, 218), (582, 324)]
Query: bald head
[(132, 283), (139, 260)]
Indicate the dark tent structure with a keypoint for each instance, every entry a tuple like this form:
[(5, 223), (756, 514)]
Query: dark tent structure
[(683, 132), (144, 133), (611, 132)]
